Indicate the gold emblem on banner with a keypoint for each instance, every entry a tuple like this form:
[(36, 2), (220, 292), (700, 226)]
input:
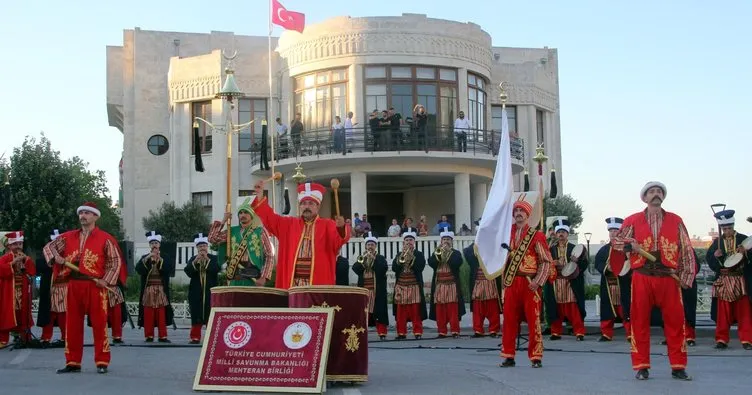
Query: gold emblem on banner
[(352, 343), (326, 305)]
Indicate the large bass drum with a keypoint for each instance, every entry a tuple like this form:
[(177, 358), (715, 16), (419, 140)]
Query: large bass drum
[(234, 296), (348, 350)]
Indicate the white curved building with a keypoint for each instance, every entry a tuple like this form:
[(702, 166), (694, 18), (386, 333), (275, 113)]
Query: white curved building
[(158, 81)]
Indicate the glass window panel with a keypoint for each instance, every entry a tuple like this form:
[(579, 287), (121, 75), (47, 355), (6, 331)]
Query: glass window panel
[(481, 83), (323, 109), (339, 100), (339, 90), (309, 81), (244, 105), (472, 94), (402, 72), (471, 79), (426, 90), (299, 83), (339, 75), (322, 78), (375, 90), (203, 111), (402, 99), (402, 89), (376, 72), (448, 91), (425, 72), (448, 74), (481, 97)]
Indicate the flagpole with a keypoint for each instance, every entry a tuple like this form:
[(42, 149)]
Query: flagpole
[(270, 110)]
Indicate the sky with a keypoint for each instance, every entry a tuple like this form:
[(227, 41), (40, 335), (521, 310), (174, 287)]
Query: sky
[(648, 90)]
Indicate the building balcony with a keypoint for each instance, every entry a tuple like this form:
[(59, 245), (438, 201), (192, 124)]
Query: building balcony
[(362, 144)]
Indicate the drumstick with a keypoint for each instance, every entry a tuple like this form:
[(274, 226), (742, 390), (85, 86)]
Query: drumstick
[(76, 269), (649, 257), (335, 188)]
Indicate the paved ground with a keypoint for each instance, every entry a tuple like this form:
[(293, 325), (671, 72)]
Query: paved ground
[(451, 366)]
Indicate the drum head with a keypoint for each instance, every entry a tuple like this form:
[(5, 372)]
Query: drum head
[(733, 260), (568, 269), (578, 250), (747, 243), (625, 269)]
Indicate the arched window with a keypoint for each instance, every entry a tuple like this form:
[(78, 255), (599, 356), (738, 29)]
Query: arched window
[(321, 96)]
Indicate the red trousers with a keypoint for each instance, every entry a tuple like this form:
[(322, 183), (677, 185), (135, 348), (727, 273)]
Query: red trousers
[(23, 333), (157, 314), (728, 312), (85, 298), (689, 332), (115, 318), (55, 318), (448, 313), (409, 312), (664, 293), (381, 329), (607, 326), (520, 303), (195, 332), (486, 310), (570, 312)]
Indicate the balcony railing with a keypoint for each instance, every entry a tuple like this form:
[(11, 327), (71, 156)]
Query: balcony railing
[(317, 142)]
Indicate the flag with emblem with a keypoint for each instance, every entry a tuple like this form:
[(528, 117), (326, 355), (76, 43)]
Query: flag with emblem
[(289, 20)]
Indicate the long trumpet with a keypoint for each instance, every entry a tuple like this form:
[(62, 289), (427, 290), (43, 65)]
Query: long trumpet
[(367, 258), (407, 255)]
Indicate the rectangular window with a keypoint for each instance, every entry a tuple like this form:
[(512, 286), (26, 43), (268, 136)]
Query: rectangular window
[(321, 100), (448, 75), (402, 99), (376, 72), (205, 200), (402, 72), (428, 73), (202, 110), (375, 97), (539, 118), (448, 103), (249, 139)]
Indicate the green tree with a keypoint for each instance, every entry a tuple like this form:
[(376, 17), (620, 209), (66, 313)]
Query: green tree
[(43, 192), (564, 205), (177, 223)]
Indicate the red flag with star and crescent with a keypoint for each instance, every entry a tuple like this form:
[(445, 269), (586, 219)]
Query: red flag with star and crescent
[(289, 20)]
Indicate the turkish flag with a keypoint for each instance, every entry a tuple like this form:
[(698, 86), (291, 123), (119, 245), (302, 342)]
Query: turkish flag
[(290, 20)]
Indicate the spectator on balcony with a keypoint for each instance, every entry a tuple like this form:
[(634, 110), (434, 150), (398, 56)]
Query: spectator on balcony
[(461, 128), (385, 134), (407, 223), (356, 220), (395, 122), (350, 140), (363, 227), (420, 119), (444, 223), (465, 230), (338, 131), (394, 230), (296, 130), (282, 148), (422, 227), (374, 123)]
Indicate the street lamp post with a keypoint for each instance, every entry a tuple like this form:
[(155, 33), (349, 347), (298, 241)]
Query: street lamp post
[(588, 235)]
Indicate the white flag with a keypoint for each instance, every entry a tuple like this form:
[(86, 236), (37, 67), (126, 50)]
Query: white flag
[(495, 225)]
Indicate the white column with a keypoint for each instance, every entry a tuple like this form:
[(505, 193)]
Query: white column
[(461, 200), (355, 95), (292, 191), (479, 201), (358, 193)]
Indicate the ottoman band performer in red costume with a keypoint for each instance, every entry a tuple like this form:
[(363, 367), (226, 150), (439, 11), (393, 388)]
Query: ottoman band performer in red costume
[(660, 254), (53, 288), (92, 259), (447, 304), (154, 307), (486, 296), (371, 269), (16, 273), (613, 287), (308, 244), (409, 302), (527, 269), (728, 258)]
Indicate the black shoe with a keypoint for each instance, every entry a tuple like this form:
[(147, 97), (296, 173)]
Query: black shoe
[(456, 335), (102, 369), (117, 341), (642, 374), (537, 364), (45, 344), (382, 337), (681, 374), (721, 346), (494, 335), (604, 339), (400, 337), (664, 342), (165, 340), (194, 342), (417, 337), (580, 338), (476, 334), (555, 337), (747, 346), (691, 343), (69, 369), (547, 331), (508, 363), (149, 340)]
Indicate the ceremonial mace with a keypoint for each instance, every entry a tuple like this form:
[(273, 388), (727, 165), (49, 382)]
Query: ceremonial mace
[(540, 158), (335, 189), (229, 92)]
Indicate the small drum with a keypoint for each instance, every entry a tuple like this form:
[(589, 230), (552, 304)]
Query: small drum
[(747, 243), (248, 297), (348, 350), (577, 252), (733, 260), (570, 270)]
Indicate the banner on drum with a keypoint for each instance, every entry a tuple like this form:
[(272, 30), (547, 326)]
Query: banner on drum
[(265, 350)]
